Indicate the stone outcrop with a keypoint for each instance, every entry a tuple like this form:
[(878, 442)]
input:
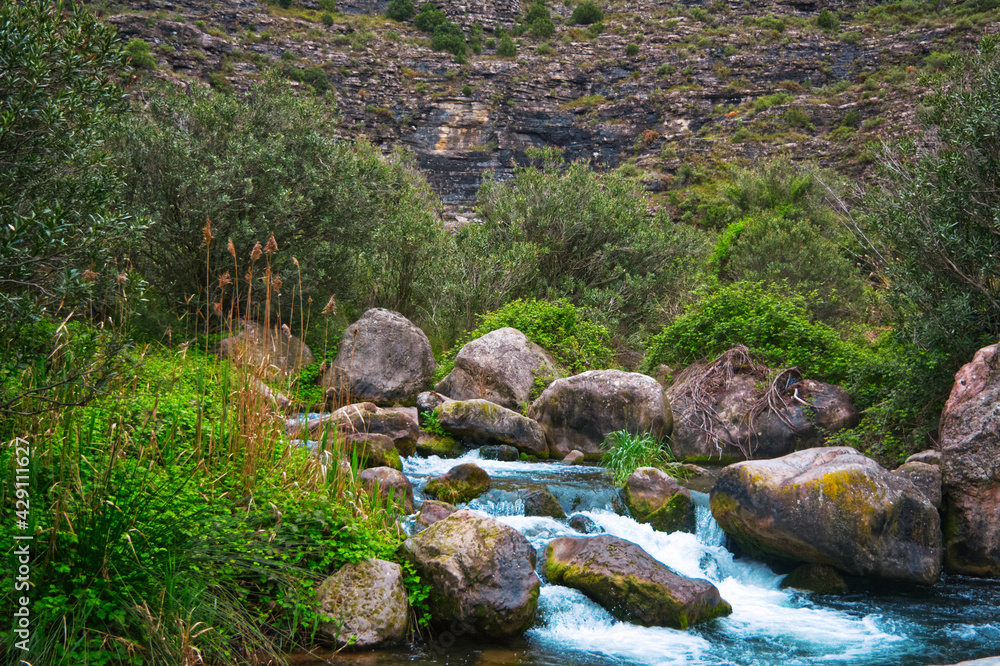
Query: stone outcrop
[(501, 366), (970, 463), (658, 500), (541, 502), (275, 351), (480, 422), (481, 574), (364, 604), (730, 419), (383, 358), (461, 483), (579, 412), (387, 481), (831, 506), (630, 583)]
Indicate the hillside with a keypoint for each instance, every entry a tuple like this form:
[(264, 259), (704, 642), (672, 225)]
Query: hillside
[(710, 85)]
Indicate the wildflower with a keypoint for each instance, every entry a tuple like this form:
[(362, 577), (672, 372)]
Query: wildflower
[(276, 284), (207, 231), (331, 305), (272, 245), (232, 248), (255, 253), (225, 280), (88, 276), (217, 308)]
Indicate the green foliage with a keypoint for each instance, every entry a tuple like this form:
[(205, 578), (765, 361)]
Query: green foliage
[(345, 219), (467, 90), (429, 18), (798, 117), (567, 232), (851, 119), (827, 20), (586, 13), (139, 54), (401, 10), (430, 423), (594, 29), (314, 76), (632, 50), (774, 327), (567, 332), (506, 47), (328, 5), (537, 22), (449, 37), (627, 452)]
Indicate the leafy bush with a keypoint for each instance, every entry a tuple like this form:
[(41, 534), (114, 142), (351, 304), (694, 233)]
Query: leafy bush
[(827, 21), (328, 5), (627, 452), (139, 54), (449, 37), (467, 90), (797, 117), (401, 10), (429, 18), (586, 13), (569, 333), (506, 47), (632, 50), (773, 326)]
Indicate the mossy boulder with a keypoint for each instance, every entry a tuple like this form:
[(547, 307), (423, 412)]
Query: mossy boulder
[(630, 583), (461, 483), (442, 446), (383, 358), (926, 477), (399, 424), (501, 452), (831, 506), (541, 502), (970, 463), (481, 574), (817, 578), (364, 604), (387, 481), (431, 511), (656, 499), (372, 450), (579, 412), (481, 422), (501, 366)]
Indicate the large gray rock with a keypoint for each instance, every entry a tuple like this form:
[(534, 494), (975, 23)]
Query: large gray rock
[(501, 366), (399, 424), (658, 500), (383, 358), (462, 483), (831, 506), (273, 350), (481, 574), (630, 583), (364, 604), (579, 412), (372, 450), (480, 422), (386, 481), (970, 463), (926, 477), (734, 427)]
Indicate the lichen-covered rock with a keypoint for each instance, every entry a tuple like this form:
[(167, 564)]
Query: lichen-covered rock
[(926, 477), (480, 422), (373, 450), (574, 457), (428, 401), (442, 446), (364, 604), (431, 511), (970, 463), (831, 506), (388, 481), (817, 578), (400, 425), (658, 500), (930, 456), (541, 502), (579, 412), (481, 574), (383, 358), (735, 426), (501, 452), (461, 483), (272, 350), (630, 583), (585, 524), (501, 366)]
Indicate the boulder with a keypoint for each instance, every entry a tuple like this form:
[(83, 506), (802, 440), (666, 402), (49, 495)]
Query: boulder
[(373, 450), (442, 446), (400, 425), (461, 483), (585, 524), (431, 511), (930, 456), (970, 464), (926, 477), (481, 574), (579, 412), (428, 401), (480, 422), (364, 604), (658, 500), (383, 358), (274, 350), (386, 480), (721, 412), (501, 452), (831, 506), (541, 502), (501, 366), (630, 583), (574, 457), (817, 578)]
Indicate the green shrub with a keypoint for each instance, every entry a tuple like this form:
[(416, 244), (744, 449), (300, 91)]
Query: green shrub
[(632, 50), (429, 18), (775, 327), (594, 29), (401, 10), (139, 54), (827, 21), (627, 452), (851, 119), (797, 117), (328, 5), (467, 90), (506, 47), (665, 70), (327, 19), (449, 37), (586, 13)]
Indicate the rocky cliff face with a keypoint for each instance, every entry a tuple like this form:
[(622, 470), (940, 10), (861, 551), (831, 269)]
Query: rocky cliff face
[(710, 85)]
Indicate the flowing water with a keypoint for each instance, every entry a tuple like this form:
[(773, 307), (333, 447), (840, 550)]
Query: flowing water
[(955, 620)]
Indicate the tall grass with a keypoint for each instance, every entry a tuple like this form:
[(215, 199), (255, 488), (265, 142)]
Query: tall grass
[(174, 521), (627, 452)]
